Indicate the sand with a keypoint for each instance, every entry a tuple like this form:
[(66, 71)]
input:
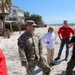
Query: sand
[(10, 50)]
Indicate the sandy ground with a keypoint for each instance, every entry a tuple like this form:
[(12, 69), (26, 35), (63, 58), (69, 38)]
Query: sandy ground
[(10, 49)]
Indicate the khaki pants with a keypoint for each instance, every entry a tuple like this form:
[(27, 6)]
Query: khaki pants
[(50, 54)]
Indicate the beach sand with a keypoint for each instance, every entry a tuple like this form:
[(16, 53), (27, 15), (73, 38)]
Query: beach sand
[(10, 50)]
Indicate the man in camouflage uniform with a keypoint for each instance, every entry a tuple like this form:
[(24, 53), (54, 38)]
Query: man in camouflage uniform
[(30, 50)]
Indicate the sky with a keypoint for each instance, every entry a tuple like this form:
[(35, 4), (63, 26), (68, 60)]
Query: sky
[(52, 11)]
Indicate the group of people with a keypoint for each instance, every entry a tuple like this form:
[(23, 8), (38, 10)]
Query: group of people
[(31, 49), (31, 52)]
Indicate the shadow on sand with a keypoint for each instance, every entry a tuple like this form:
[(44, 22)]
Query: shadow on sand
[(37, 71), (64, 73), (57, 62)]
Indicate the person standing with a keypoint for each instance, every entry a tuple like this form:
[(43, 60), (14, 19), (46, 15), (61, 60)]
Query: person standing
[(30, 50), (3, 68), (64, 33), (71, 63), (49, 40)]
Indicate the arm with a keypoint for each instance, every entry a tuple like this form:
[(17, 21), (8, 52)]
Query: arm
[(40, 48), (71, 42), (54, 35), (59, 33), (72, 31), (41, 51), (23, 58), (59, 36), (21, 45), (45, 39)]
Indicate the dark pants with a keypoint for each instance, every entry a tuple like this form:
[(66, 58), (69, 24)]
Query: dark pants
[(63, 42), (70, 67)]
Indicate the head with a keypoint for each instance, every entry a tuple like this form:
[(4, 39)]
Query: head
[(50, 29), (65, 23), (30, 26)]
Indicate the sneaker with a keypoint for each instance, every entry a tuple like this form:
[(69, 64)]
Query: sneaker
[(57, 58)]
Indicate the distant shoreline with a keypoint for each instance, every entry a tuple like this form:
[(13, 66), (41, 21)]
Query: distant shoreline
[(60, 24)]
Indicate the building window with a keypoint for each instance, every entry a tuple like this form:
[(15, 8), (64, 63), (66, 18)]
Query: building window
[(14, 12)]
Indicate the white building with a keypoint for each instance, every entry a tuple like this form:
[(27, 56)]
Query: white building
[(16, 14)]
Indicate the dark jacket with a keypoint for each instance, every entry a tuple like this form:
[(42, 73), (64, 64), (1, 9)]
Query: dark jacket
[(73, 52)]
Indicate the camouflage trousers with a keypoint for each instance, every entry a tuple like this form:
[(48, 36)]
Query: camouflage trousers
[(41, 64)]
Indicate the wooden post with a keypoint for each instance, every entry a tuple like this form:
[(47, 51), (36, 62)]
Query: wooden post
[(19, 26), (3, 6), (4, 14), (8, 33)]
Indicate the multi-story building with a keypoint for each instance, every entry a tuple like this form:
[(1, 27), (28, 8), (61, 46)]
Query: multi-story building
[(16, 14)]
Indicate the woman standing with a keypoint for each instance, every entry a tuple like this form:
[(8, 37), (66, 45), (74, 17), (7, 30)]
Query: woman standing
[(49, 40)]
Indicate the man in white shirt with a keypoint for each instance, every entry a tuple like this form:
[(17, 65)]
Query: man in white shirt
[(49, 41)]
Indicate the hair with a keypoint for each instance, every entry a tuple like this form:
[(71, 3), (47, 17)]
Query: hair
[(65, 21), (50, 29)]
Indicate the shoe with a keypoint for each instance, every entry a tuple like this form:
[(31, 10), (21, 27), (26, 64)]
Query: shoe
[(66, 59), (52, 64), (57, 58)]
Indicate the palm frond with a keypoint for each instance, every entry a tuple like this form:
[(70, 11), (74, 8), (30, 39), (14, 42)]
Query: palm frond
[(8, 3)]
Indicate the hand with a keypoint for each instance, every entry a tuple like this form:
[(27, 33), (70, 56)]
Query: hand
[(26, 65), (42, 58), (71, 44), (56, 42), (48, 42)]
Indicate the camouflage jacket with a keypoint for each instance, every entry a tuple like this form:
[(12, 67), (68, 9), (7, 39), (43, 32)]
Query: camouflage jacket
[(30, 47)]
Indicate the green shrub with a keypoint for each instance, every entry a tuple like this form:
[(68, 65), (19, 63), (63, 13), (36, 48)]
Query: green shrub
[(15, 27)]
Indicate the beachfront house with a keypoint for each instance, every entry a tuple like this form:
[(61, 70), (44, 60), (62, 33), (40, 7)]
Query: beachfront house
[(16, 14)]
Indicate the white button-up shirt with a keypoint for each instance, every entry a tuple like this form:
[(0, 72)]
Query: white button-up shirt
[(49, 40)]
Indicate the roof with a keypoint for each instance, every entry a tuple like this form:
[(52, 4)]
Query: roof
[(10, 21)]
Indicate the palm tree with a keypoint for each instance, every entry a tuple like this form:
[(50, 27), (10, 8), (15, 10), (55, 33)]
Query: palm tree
[(5, 5), (8, 4)]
